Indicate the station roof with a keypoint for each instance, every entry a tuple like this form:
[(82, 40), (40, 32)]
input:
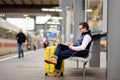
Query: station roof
[(40, 3), (31, 7)]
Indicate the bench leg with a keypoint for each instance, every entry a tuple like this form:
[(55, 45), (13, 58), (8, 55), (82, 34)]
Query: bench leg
[(77, 64), (84, 67)]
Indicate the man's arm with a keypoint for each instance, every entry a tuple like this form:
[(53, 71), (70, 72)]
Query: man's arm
[(24, 38), (17, 36), (84, 44)]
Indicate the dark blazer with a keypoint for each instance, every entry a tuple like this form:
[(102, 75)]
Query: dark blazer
[(21, 37)]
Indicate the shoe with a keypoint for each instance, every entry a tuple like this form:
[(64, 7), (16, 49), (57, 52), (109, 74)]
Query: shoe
[(22, 55), (52, 60), (54, 74)]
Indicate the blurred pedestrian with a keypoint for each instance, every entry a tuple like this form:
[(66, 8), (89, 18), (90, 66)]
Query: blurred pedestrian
[(34, 45), (20, 37), (46, 43)]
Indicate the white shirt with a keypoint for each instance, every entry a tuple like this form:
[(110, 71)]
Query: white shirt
[(87, 38)]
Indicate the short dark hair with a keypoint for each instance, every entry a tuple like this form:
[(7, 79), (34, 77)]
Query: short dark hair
[(84, 25)]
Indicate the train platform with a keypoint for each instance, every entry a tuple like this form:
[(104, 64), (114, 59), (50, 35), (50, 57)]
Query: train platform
[(31, 67)]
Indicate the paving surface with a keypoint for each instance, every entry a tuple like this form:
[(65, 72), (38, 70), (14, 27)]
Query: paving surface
[(31, 67)]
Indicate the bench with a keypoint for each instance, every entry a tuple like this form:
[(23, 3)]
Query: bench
[(83, 60)]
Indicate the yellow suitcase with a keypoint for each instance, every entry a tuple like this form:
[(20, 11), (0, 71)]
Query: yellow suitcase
[(49, 68)]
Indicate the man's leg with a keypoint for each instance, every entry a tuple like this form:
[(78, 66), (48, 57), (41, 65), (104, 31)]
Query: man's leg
[(65, 54), (19, 50), (59, 49), (22, 50)]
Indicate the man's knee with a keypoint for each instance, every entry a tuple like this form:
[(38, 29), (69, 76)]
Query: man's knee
[(63, 55), (59, 44)]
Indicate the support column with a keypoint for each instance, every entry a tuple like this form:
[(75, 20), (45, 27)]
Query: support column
[(95, 61), (73, 13), (66, 6), (79, 16), (113, 47)]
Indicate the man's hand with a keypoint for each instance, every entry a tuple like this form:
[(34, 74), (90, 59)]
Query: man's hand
[(69, 45)]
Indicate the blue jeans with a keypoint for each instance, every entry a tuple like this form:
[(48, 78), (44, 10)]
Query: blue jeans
[(63, 52), (20, 49)]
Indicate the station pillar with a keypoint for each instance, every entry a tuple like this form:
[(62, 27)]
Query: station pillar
[(113, 47), (73, 13), (78, 16), (66, 6), (95, 60)]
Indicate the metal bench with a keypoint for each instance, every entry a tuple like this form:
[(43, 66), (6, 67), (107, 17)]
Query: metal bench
[(84, 60)]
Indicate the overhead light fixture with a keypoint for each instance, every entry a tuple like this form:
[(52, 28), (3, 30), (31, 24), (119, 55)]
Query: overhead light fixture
[(89, 10), (42, 19), (53, 23), (44, 9), (58, 10), (25, 15), (57, 17), (51, 10), (54, 26), (2, 15)]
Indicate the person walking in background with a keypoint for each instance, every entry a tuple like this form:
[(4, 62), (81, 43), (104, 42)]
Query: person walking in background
[(46, 43), (34, 45), (20, 37), (65, 51)]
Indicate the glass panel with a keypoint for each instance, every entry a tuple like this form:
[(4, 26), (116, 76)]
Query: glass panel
[(7, 34), (94, 14)]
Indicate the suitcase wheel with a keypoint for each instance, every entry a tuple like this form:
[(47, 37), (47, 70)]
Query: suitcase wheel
[(46, 74), (61, 74)]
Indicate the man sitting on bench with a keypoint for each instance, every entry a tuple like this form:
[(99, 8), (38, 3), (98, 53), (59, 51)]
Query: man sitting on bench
[(65, 51)]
